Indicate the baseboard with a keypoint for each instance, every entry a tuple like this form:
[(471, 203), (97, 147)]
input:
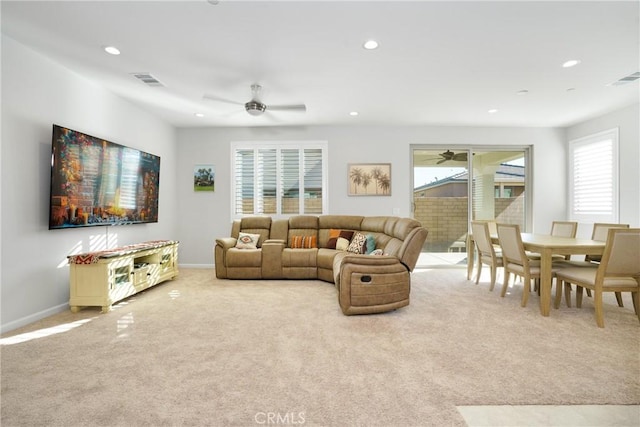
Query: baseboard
[(33, 318), (210, 266)]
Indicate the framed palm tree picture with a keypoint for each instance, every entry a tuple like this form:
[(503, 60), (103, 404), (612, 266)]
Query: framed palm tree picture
[(369, 179)]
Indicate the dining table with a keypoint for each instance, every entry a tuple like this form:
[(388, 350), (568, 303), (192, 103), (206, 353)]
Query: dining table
[(546, 245)]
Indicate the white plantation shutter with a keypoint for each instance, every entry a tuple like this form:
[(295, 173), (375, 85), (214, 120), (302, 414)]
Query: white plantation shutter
[(290, 181), (313, 180), (593, 178), (278, 178)]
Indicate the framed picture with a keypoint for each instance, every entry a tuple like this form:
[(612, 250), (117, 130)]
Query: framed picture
[(204, 178), (369, 179)]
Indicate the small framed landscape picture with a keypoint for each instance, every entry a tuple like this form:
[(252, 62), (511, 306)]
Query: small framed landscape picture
[(204, 178), (369, 179)]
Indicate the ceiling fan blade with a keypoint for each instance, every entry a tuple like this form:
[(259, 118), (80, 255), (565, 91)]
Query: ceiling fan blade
[(461, 157), (298, 107), (220, 99), (441, 161)]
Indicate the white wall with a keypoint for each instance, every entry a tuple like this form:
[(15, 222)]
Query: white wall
[(627, 120), (205, 216), (37, 93)]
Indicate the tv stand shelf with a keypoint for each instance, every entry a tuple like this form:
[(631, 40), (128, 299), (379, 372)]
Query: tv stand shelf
[(104, 278)]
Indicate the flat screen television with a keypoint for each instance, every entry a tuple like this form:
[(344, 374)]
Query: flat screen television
[(97, 182)]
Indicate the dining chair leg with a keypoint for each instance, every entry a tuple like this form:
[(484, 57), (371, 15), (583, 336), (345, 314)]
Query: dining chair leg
[(559, 285), (635, 296), (589, 293), (619, 299), (494, 273), (567, 294), (597, 302), (479, 269), (526, 291), (505, 284), (579, 290)]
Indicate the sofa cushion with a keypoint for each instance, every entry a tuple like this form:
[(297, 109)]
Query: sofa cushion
[(247, 241), (244, 258)]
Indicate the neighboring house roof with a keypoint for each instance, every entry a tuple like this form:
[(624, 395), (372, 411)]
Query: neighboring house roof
[(505, 173)]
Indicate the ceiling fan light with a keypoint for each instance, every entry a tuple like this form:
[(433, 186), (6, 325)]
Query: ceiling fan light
[(255, 108)]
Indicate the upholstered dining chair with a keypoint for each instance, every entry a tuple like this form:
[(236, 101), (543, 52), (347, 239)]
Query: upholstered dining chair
[(516, 261), (618, 271), (600, 232), (487, 253)]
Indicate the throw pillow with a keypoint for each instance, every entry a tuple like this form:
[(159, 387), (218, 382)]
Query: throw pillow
[(377, 252), (335, 235), (371, 244), (247, 241), (299, 242), (358, 244), (342, 244), (333, 238), (346, 234)]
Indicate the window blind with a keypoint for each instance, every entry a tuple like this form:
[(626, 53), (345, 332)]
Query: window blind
[(278, 178), (593, 179)]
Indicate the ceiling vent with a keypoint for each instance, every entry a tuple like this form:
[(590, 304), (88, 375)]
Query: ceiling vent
[(628, 79), (148, 79)]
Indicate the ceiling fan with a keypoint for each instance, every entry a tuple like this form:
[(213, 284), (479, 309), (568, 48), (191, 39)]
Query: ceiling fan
[(450, 155), (255, 107)]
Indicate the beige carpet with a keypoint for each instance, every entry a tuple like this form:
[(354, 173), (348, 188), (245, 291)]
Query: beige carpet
[(200, 351)]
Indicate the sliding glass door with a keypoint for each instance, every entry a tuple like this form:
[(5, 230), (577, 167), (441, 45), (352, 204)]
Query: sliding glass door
[(453, 185)]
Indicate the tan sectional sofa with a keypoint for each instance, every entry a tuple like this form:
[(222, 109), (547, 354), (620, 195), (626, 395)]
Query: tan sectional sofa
[(366, 283)]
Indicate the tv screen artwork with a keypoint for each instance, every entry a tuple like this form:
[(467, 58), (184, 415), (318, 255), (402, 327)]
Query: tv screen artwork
[(97, 182)]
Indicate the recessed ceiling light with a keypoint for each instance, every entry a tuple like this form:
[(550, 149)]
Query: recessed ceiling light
[(522, 92), (353, 113), (370, 44), (571, 63), (492, 111), (198, 114), (112, 50)]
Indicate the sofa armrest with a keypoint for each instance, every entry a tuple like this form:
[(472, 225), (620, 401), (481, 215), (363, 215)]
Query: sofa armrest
[(226, 242), (372, 284), (220, 255), (272, 258)]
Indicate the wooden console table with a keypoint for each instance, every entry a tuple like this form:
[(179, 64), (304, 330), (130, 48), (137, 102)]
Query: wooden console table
[(105, 277)]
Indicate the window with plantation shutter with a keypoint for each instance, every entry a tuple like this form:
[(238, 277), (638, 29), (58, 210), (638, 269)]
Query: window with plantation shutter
[(593, 178), (279, 179)]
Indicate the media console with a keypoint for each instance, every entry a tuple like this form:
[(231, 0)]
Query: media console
[(106, 277)]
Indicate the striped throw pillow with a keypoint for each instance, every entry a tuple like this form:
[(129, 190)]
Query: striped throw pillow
[(299, 242)]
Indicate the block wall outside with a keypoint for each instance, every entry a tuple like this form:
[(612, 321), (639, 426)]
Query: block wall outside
[(446, 218)]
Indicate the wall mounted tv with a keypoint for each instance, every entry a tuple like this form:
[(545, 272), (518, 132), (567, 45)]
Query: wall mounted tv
[(97, 182)]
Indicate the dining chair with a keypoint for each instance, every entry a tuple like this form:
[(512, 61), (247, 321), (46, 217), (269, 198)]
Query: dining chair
[(516, 261), (487, 252), (618, 271), (600, 232)]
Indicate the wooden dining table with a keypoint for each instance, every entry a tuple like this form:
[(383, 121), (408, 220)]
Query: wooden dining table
[(546, 246)]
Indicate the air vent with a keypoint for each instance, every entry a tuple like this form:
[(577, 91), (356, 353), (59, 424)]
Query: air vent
[(148, 79), (628, 79)]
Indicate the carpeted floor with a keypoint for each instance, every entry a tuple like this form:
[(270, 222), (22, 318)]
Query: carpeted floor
[(201, 351)]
